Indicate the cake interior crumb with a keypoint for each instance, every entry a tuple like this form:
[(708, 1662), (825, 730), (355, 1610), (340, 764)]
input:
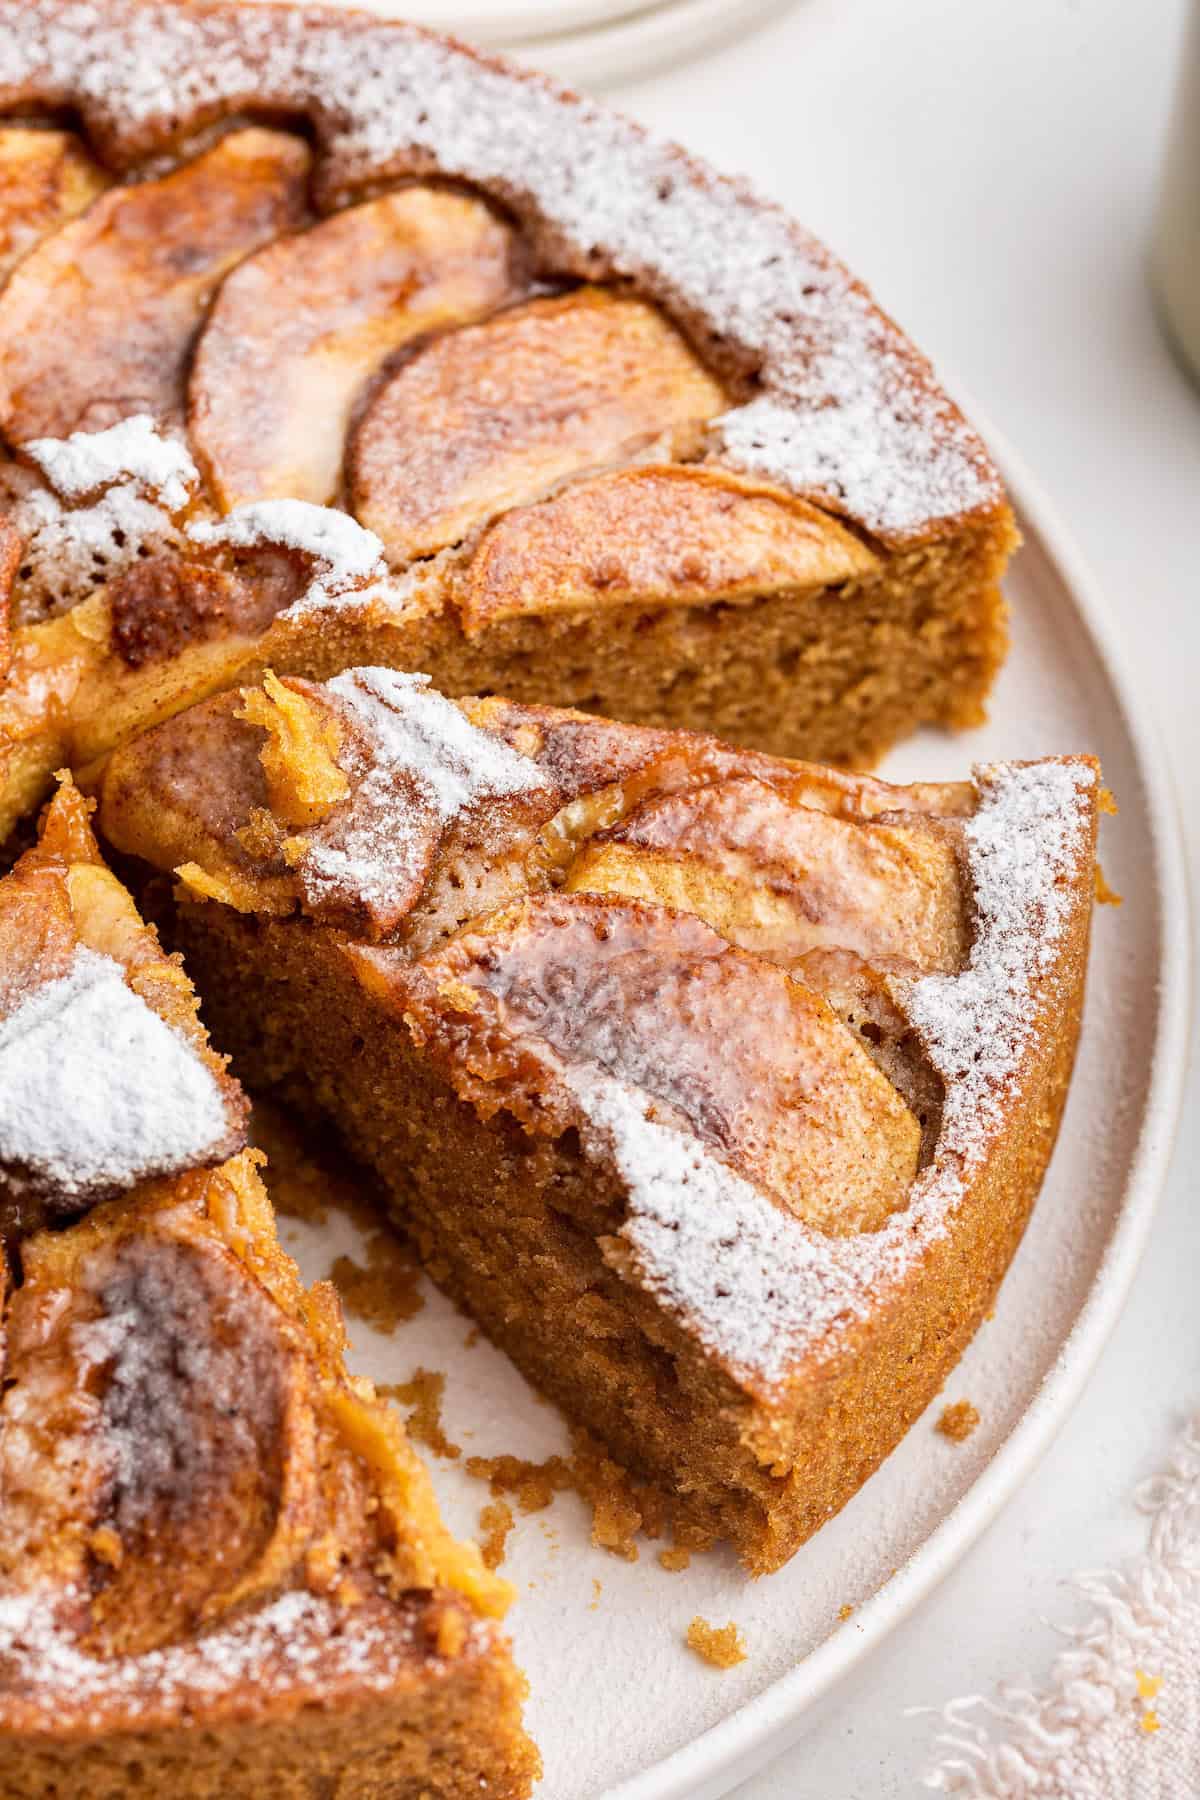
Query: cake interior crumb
[(958, 1421), (723, 1646), (308, 1177), (422, 1394)]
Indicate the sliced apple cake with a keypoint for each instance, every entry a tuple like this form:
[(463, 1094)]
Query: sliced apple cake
[(716, 1087), (449, 370)]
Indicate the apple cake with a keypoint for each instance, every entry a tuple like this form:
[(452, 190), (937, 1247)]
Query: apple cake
[(325, 341), (221, 1566), (716, 1087)]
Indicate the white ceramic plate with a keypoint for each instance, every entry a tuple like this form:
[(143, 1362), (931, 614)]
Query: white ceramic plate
[(619, 1706), (589, 43)]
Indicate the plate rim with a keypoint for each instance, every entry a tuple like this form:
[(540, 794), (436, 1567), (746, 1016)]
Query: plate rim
[(731, 1751)]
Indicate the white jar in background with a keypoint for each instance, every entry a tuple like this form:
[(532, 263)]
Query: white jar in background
[(1176, 250)]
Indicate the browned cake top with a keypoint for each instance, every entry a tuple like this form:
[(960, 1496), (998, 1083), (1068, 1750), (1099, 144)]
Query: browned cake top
[(790, 1007), (835, 404)]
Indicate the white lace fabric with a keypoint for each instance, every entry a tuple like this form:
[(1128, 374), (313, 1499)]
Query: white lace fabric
[(1119, 1718)]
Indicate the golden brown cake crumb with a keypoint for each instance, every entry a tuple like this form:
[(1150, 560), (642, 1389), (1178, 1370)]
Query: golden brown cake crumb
[(721, 1645), (1105, 895), (495, 1523), (423, 1393), (621, 1506), (844, 1613), (958, 1421), (597, 1590), (534, 1484), (387, 1291), (675, 1559)]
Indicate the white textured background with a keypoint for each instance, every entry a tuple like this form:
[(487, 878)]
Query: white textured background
[(990, 168)]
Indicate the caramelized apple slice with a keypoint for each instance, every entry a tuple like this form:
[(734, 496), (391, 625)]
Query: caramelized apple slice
[(494, 415), (783, 879), (867, 1001), (126, 286), (654, 536), (188, 1397), (755, 1064), (46, 177), (300, 326)]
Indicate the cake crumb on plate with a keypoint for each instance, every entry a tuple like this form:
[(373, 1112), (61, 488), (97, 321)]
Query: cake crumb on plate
[(958, 1421), (721, 1645)]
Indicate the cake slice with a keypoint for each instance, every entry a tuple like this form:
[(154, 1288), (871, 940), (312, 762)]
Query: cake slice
[(442, 370), (718, 1088), (106, 1073), (222, 1569)]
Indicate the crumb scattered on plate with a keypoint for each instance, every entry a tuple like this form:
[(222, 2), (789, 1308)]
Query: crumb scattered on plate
[(495, 1522), (423, 1393), (721, 1645), (958, 1421)]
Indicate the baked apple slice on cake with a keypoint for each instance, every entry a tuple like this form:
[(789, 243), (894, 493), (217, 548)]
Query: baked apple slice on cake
[(97, 322), (46, 177), (517, 405), (718, 1088), (297, 330)]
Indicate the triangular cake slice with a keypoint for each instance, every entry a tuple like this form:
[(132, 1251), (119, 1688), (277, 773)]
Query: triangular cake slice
[(222, 1569), (106, 1073), (717, 1087)]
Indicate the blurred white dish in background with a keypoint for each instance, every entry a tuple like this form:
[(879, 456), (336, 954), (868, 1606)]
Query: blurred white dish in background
[(591, 43)]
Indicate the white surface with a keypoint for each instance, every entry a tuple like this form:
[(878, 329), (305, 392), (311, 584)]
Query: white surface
[(990, 169), (586, 42)]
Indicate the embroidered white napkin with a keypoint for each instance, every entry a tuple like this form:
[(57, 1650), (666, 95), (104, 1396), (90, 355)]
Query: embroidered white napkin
[(1119, 1718)]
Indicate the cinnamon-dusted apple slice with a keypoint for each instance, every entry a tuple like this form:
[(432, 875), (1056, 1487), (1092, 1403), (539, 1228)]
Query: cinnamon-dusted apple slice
[(654, 535), (127, 284), (106, 1074), (494, 415), (756, 1065), (299, 327), (46, 177), (782, 878)]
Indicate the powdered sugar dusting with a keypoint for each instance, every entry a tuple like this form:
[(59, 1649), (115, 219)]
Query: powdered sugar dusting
[(133, 481), (846, 410), (753, 1281), (1023, 842), (97, 1092), (299, 1640), (344, 553), (760, 1288), (132, 450), (420, 764)]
